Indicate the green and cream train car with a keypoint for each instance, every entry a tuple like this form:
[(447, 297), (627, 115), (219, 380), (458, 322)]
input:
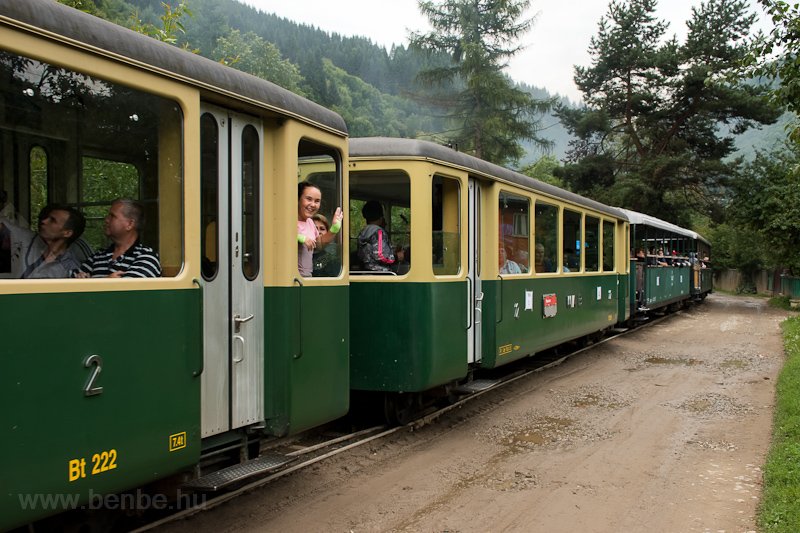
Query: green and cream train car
[(492, 266), (110, 384), (669, 264)]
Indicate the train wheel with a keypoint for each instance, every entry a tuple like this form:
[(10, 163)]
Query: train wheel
[(400, 408)]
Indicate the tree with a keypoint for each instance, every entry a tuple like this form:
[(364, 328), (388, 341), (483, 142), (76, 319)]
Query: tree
[(776, 56), (766, 194), (171, 23), (659, 118), (544, 170), (252, 54), (490, 116), (114, 10)]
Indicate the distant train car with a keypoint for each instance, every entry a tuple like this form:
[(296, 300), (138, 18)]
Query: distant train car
[(669, 264), (488, 266), (111, 384), (702, 275)]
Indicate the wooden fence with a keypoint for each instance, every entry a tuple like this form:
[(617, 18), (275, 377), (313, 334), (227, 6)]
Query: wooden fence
[(766, 282)]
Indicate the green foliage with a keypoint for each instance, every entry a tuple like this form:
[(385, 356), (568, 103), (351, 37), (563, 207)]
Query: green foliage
[(781, 302), (776, 56), (544, 170), (766, 196), (736, 246), (252, 54), (779, 511), (651, 135), (38, 186), (369, 112), (490, 116), (87, 6), (116, 11), (171, 23)]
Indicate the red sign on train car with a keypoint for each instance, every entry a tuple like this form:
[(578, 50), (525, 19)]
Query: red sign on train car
[(550, 305)]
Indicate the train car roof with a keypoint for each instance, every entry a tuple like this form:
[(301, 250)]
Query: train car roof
[(374, 147), (110, 39), (640, 218)]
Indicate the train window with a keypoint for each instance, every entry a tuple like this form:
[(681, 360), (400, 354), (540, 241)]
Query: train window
[(608, 246), (78, 140), (546, 238), (321, 166), (446, 226), (591, 248), (251, 196), (388, 192), (571, 241), (209, 194), (514, 238)]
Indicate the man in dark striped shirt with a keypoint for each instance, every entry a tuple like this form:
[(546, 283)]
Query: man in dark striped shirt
[(126, 257)]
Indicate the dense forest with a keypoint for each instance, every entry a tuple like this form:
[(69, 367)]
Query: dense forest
[(373, 88)]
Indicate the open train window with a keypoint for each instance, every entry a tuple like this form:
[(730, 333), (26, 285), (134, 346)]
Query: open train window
[(514, 238), (321, 166), (391, 191), (81, 141)]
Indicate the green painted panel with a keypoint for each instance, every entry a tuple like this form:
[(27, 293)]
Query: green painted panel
[(510, 331), (627, 292), (664, 285), (790, 286), (150, 345), (306, 361), (707, 280), (407, 337)]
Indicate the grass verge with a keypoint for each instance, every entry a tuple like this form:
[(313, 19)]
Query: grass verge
[(781, 302), (779, 510)]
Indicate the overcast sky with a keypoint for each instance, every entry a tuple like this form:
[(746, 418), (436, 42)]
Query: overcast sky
[(558, 41)]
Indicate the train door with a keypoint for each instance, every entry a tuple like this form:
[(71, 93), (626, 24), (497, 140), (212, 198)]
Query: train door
[(475, 292), (233, 289)]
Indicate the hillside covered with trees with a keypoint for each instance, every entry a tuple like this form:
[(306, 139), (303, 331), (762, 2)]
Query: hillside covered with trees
[(373, 88), (679, 130)]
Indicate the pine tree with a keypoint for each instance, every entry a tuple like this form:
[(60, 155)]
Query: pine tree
[(659, 116), (489, 115), (776, 56)]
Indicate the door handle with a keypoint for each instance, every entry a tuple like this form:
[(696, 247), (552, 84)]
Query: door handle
[(237, 339), (238, 321)]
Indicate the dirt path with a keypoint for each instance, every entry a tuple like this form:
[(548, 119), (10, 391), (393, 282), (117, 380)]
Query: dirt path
[(665, 429)]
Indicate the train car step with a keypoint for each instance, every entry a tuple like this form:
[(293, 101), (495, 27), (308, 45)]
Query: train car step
[(227, 476), (476, 386)]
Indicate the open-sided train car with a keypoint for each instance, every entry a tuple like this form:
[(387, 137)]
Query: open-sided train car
[(702, 274), (110, 384), (669, 264), (493, 266)]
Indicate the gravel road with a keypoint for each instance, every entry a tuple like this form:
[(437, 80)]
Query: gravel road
[(665, 429)]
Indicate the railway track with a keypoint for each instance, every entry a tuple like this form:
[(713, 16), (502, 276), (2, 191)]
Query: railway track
[(305, 456)]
